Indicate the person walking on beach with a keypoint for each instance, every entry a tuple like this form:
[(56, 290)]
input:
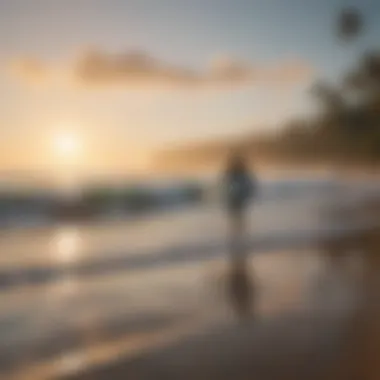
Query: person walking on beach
[(240, 187)]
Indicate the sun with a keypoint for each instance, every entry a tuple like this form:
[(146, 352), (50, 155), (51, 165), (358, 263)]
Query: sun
[(66, 158), (66, 145)]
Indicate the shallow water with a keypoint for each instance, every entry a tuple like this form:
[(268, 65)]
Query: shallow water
[(45, 322), (119, 311)]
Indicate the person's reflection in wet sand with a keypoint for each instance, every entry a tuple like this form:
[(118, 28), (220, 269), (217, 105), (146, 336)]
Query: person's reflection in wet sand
[(335, 256), (241, 288), (335, 252)]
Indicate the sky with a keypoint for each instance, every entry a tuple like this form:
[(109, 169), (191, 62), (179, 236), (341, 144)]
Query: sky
[(100, 83)]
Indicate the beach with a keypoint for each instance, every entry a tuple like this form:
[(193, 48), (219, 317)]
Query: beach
[(148, 299)]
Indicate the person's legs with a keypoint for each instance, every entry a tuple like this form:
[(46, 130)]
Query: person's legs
[(237, 227)]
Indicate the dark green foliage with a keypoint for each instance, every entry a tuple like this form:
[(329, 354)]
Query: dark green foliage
[(348, 125)]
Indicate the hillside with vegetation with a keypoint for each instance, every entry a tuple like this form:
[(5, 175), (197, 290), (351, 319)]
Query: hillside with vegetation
[(346, 129)]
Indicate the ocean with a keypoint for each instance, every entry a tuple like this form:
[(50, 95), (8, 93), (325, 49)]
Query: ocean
[(76, 295), (283, 206)]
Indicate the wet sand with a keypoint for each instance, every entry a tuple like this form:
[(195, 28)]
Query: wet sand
[(315, 315), (180, 322), (328, 329)]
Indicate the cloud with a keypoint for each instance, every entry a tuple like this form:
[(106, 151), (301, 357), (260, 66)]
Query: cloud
[(29, 70), (131, 68), (95, 68), (228, 70)]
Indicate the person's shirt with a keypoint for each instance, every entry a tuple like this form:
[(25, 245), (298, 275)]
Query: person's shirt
[(240, 187)]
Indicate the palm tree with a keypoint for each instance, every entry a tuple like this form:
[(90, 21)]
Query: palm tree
[(349, 24)]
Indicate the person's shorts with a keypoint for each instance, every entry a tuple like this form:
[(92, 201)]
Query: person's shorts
[(236, 208)]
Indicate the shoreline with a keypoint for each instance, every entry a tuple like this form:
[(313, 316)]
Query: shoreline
[(16, 276)]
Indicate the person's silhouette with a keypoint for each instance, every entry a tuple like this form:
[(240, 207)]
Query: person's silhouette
[(240, 187)]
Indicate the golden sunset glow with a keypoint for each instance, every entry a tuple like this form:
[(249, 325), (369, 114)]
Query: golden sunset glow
[(66, 145)]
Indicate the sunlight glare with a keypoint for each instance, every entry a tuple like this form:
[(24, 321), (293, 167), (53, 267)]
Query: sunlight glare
[(66, 145), (66, 245)]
